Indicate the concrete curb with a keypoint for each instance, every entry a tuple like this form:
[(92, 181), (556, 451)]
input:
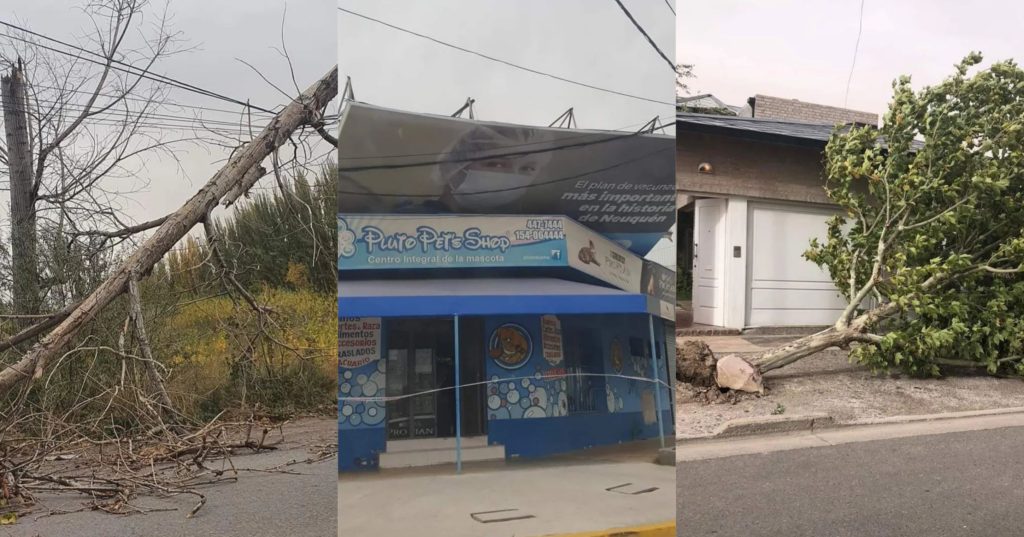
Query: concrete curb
[(786, 424), (935, 417), (662, 529), (764, 425)]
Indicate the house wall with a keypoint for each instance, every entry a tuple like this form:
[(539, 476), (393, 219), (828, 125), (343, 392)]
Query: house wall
[(778, 108), (749, 169), (752, 280)]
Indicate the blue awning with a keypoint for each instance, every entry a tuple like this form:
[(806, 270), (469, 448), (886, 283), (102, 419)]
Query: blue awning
[(484, 296)]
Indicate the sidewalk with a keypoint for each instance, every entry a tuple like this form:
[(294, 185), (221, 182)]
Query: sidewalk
[(829, 384), (567, 497)]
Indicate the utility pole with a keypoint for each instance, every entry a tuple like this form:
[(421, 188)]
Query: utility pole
[(234, 179), (13, 96)]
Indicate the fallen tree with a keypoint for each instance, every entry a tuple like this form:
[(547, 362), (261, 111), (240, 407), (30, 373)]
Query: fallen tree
[(238, 175), (929, 243)]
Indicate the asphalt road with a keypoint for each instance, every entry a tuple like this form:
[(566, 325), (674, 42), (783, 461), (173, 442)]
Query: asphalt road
[(954, 484), (298, 504)]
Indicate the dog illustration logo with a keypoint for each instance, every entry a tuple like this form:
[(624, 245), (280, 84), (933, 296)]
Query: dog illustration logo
[(588, 254), (510, 346)]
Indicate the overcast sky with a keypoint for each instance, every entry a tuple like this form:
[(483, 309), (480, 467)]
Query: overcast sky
[(221, 32), (584, 40), (803, 49)]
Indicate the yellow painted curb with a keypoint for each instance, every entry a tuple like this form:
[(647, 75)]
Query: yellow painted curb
[(662, 529)]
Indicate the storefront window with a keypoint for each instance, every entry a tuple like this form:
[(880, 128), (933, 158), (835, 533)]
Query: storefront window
[(584, 365)]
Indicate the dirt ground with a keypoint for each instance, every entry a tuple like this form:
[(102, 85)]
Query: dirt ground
[(828, 383)]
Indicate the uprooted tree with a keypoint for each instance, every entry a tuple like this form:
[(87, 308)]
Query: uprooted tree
[(173, 456), (929, 243), (236, 177)]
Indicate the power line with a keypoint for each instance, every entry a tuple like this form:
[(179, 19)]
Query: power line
[(154, 119), (644, 32), (670, 8), (616, 132), (129, 97), (508, 63), (856, 47), (127, 68), (492, 156), (331, 118), (328, 119), (509, 189), (141, 73), (78, 108)]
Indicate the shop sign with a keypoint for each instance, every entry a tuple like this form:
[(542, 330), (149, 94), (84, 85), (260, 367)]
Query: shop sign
[(603, 259), (405, 241), (551, 339), (358, 341)]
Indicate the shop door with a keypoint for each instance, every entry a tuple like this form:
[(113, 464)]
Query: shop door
[(421, 359), (419, 354)]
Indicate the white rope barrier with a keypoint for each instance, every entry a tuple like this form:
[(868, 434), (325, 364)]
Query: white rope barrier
[(385, 399)]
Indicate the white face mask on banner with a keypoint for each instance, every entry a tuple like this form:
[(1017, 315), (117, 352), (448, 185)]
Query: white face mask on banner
[(487, 181)]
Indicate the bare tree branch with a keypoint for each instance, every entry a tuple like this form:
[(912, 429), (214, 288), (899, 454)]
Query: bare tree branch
[(292, 117)]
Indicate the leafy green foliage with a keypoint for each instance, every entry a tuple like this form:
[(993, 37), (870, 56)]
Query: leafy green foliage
[(274, 238), (930, 242), (215, 352), (215, 363)]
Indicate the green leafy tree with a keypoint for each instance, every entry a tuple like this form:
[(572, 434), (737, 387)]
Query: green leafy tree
[(930, 245), (279, 239)]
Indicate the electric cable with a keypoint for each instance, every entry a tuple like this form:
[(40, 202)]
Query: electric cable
[(505, 62)]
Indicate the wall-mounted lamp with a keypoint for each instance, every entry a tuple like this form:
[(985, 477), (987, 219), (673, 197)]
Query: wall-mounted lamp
[(705, 167)]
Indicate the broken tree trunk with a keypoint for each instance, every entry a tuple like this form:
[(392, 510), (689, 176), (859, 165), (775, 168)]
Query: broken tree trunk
[(844, 333), (697, 365), (24, 265), (149, 363), (234, 176)]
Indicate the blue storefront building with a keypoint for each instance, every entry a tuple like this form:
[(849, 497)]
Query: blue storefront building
[(476, 337)]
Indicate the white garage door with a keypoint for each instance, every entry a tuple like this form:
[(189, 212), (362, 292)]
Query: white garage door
[(784, 288)]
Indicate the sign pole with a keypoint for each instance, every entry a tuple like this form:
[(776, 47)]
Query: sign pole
[(657, 379), (458, 401)]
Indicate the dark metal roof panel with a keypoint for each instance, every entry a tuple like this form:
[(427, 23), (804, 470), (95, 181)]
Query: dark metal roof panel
[(766, 130)]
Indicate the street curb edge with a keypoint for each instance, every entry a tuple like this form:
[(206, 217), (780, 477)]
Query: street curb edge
[(786, 424)]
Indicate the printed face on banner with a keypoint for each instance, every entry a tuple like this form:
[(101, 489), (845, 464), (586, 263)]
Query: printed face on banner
[(618, 184)]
